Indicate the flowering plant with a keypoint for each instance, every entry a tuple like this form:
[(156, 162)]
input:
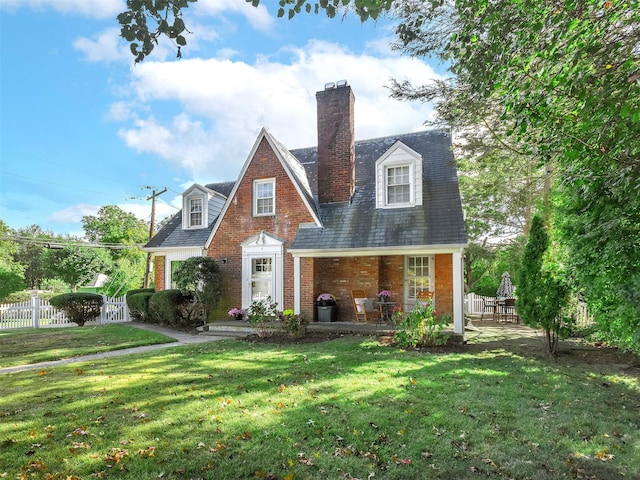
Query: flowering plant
[(325, 297), (236, 312), (385, 293)]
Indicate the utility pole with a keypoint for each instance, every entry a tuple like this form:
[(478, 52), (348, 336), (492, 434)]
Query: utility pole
[(152, 226)]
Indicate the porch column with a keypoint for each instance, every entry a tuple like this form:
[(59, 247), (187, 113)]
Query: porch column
[(296, 285), (458, 294)]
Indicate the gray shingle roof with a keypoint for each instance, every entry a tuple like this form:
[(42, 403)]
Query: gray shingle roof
[(172, 235), (359, 225)]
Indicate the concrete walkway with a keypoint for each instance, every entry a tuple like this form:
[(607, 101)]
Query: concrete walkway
[(181, 338)]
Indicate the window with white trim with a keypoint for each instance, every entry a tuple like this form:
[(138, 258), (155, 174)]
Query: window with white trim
[(398, 186), (194, 207), (175, 264), (264, 199), (418, 276), (195, 212), (399, 177)]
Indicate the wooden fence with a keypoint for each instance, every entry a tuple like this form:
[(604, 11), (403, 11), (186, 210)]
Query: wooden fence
[(38, 312)]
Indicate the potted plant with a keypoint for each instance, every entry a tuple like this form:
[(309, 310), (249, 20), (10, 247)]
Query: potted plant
[(237, 313), (384, 295), (327, 307)]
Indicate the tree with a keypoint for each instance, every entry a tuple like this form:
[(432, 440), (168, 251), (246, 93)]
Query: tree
[(30, 254), (114, 227), (541, 294), (76, 265), (166, 19), (566, 77), (201, 276), (11, 272)]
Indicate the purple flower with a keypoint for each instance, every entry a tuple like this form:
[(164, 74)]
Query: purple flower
[(385, 293), (325, 297), (234, 312)]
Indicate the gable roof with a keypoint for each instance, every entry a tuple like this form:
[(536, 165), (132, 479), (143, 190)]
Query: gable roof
[(358, 225), (291, 165)]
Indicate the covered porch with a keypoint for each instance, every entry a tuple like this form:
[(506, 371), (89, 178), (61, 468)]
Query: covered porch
[(404, 272)]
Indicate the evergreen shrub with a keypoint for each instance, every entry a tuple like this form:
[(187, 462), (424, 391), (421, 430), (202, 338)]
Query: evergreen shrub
[(138, 304), (78, 307), (175, 308)]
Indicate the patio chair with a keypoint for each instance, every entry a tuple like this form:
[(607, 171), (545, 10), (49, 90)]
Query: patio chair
[(489, 305), (424, 298), (509, 310), (363, 306)]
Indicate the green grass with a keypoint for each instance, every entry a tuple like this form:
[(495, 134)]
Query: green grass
[(21, 347), (344, 409)]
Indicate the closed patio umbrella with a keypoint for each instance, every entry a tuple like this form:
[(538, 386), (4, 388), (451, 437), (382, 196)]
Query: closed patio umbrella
[(506, 287)]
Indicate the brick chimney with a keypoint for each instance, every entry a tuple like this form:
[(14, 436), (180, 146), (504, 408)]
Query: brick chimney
[(336, 143)]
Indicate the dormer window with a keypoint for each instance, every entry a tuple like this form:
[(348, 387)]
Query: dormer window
[(194, 207), (398, 186), (195, 212), (399, 178), (264, 199)]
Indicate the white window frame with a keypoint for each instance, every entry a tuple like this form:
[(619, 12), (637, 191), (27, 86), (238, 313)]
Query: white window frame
[(387, 186), (430, 278), (256, 186), (399, 155), (194, 193), (173, 265), (190, 202)]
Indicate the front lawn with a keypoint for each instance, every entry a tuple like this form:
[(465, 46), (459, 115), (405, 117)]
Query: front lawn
[(343, 409), (21, 347)]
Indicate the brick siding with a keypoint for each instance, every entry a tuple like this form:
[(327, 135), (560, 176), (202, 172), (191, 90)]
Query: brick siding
[(239, 224), (336, 144)]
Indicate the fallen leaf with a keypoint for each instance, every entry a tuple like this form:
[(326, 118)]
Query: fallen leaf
[(115, 455)]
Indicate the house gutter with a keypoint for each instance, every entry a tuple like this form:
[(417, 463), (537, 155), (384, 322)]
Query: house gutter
[(376, 251)]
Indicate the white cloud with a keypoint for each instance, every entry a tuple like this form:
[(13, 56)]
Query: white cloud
[(74, 213), (258, 18), (103, 47), (121, 111), (225, 103), (87, 8), (142, 211)]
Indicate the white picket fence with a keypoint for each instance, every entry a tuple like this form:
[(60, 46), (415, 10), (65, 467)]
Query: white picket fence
[(38, 312), (474, 304)]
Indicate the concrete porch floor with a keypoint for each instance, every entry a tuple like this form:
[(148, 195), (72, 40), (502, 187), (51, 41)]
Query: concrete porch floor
[(476, 331)]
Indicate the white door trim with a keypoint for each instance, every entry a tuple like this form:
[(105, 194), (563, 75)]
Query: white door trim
[(263, 245)]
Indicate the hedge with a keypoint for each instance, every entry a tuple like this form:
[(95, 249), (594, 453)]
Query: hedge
[(78, 307)]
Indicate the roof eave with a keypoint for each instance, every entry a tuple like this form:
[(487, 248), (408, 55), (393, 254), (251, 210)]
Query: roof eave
[(377, 251)]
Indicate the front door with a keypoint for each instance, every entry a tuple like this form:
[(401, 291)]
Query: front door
[(262, 269), (262, 278)]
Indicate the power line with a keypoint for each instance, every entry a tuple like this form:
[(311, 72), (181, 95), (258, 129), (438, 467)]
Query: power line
[(86, 172), (75, 187), (58, 243)]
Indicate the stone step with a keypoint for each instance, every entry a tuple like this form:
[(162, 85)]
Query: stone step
[(238, 328)]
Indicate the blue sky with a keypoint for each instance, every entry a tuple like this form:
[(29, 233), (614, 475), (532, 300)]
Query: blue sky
[(82, 127)]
